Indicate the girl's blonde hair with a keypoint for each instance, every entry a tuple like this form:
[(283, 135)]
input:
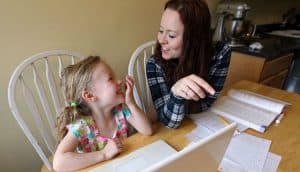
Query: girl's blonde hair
[(75, 79)]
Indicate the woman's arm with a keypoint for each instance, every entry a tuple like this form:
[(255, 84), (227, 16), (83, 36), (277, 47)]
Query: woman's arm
[(66, 159), (217, 76), (218, 71), (138, 118), (169, 108)]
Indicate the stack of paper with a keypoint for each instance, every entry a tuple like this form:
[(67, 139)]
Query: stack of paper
[(245, 153), (250, 154), (207, 123), (250, 109)]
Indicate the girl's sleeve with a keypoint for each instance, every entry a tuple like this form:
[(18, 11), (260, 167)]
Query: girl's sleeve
[(79, 128), (74, 128), (169, 108)]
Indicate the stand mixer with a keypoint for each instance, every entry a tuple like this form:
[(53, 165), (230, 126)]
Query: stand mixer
[(236, 13)]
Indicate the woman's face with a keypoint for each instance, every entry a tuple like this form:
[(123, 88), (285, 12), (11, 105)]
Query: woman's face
[(170, 34)]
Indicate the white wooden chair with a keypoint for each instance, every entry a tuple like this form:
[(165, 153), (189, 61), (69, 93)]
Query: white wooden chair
[(35, 100), (137, 69)]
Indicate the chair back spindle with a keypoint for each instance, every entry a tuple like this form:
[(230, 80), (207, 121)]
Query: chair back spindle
[(35, 98)]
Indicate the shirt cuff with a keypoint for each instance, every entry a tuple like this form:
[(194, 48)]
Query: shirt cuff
[(177, 99)]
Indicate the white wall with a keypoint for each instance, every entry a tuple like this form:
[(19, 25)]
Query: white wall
[(110, 28)]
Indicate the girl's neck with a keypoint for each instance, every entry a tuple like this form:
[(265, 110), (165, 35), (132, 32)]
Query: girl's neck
[(105, 122), (103, 117)]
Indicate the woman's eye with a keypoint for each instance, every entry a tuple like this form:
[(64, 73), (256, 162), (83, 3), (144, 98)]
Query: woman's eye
[(160, 31), (172, 36)]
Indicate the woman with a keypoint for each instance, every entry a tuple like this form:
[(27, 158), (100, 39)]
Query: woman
[(185, 75)]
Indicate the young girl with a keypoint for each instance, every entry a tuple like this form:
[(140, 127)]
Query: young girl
[(89, 130)]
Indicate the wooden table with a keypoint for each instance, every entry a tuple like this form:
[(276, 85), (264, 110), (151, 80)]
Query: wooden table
[(285, 137)]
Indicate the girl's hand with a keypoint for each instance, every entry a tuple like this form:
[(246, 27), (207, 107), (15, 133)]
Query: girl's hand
[(112, 148), (192, 87), (129, 100)]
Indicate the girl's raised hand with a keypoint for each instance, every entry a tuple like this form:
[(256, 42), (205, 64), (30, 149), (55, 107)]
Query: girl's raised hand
[(192, 87), (112, 148), (129, 100)]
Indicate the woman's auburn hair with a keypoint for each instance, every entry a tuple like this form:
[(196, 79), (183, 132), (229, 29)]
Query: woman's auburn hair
[(196, 53)]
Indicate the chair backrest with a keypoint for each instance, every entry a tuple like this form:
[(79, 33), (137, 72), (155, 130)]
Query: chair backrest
[(35, 100), (137, 69)]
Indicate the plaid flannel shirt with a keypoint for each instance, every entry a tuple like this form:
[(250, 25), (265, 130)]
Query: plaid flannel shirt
[(170, 108)]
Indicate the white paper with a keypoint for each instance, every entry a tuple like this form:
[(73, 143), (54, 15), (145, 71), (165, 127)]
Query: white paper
[(248, 151), (209, 120), (248, 115), (241, 128), (199, 133), (228, 165), (248, 108), (272, 162), (258, 100), (207, 123)]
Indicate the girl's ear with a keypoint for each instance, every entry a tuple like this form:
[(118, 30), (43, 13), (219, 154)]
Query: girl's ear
[(88, 96)]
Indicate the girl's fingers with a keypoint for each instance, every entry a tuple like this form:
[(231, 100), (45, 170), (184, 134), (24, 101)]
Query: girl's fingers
[(128, 86), (129, 82), (129, 79)]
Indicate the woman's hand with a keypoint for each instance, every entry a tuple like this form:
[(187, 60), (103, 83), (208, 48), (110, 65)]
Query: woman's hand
[(129, 100), (112, 148), (192, 87)]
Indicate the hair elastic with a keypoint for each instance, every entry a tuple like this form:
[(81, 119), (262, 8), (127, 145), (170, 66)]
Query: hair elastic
[(74, 104)]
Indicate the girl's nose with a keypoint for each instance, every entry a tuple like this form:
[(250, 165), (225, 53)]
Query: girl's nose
[(119, 82)]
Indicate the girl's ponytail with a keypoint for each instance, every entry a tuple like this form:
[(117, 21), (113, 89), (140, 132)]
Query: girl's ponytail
[(67, 116), (75, 79)]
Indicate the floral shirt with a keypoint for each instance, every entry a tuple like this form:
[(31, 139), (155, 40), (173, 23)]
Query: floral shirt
[(87, 132)]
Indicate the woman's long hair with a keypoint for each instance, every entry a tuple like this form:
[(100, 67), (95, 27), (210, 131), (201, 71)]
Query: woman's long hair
[(197, 48), (75, 79)]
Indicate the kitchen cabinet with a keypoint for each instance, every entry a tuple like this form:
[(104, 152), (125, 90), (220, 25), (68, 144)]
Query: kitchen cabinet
[(253, 68)]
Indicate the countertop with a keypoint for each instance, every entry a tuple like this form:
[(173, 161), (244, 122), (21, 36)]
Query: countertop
[(273, 46)]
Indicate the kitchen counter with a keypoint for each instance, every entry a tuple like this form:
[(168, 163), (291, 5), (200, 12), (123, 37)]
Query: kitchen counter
[(277, 64), (273, 47), (268, 66)]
